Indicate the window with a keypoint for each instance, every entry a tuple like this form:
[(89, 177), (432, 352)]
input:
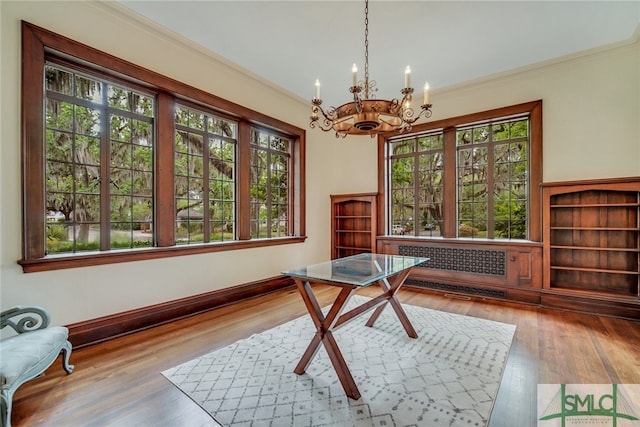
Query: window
[(122, 164), (416, 184), (269, 184), (467, 177), (492, 167), (205, 181), (99, 163)]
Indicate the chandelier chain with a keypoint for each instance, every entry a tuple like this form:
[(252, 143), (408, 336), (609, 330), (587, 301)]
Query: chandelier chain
[(366, 49)]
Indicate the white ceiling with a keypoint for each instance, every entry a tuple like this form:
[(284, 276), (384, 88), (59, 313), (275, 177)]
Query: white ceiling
[(291, 43)]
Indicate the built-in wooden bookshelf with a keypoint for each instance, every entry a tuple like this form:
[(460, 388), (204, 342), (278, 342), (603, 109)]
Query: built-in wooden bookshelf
[(592, 239), (353, 224)]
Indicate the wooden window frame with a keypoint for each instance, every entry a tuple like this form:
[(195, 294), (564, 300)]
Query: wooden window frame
[(37, 45), (533, 109)]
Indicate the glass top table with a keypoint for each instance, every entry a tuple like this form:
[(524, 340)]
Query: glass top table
[(351, 274), (357, 270)]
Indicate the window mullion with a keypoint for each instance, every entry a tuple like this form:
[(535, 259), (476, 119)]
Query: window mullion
[(243, 184), (450, 198), (416, 190), (105, 173), (206, 183), (269, 197), (490, 185), (165, 213)]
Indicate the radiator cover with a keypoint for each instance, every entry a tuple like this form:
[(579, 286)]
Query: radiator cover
[(479, 261)]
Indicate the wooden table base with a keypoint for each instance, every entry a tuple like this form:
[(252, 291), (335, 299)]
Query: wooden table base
[(325, 325)]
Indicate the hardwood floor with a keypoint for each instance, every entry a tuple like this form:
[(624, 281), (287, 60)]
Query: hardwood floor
[(118, 383)]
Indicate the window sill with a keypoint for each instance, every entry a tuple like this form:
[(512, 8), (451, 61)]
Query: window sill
[(461, 240), (59, 262)]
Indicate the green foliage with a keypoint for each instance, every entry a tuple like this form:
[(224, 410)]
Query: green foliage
[(74, 142), (56, 232), (416, 180), (269, 184)]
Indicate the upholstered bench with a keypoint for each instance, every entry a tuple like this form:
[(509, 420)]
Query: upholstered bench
[(29, 353)]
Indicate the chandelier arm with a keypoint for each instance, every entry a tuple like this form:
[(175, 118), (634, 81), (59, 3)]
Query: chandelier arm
[(328, 117), (408, 114)]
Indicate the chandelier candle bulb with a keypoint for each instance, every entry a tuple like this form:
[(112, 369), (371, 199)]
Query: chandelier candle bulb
[(407, 77), (426, 94), (354, 72), (317, 89)]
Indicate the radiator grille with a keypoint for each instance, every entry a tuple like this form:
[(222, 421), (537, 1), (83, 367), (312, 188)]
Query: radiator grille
[(481, 261), (472, 290)]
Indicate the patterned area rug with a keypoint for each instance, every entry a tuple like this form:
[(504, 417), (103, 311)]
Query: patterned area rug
[(448, 376)]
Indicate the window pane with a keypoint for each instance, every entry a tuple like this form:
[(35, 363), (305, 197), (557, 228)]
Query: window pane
[(500, 131), (481, 134), (59, 177), (463, 137), (59, 115), (403, 146), (58, 80), (86, 121), (119, 98), (519, 129), (430, 142), (88, 88)]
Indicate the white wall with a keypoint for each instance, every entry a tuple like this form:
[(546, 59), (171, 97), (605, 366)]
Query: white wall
[(591, 130), (590, 110)]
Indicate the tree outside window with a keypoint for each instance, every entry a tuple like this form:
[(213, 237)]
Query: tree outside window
[(493, 187), (269, 188), (416, 184), (99, 164), (205, 181)]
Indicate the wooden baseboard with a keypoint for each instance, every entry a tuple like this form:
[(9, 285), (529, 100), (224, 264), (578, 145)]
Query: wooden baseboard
[(98, 330), (601, 305), (593, 304)]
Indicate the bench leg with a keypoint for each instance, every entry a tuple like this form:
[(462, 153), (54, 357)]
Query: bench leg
[(66, 353), (5, 408)]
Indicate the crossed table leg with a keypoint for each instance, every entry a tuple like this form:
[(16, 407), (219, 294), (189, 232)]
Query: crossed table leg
[(325, 325)]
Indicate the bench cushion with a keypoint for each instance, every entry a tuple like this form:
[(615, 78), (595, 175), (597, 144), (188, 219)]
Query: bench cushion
[(23, 354)]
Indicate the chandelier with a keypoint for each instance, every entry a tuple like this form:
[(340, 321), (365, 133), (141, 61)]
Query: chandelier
[(366, 115)]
